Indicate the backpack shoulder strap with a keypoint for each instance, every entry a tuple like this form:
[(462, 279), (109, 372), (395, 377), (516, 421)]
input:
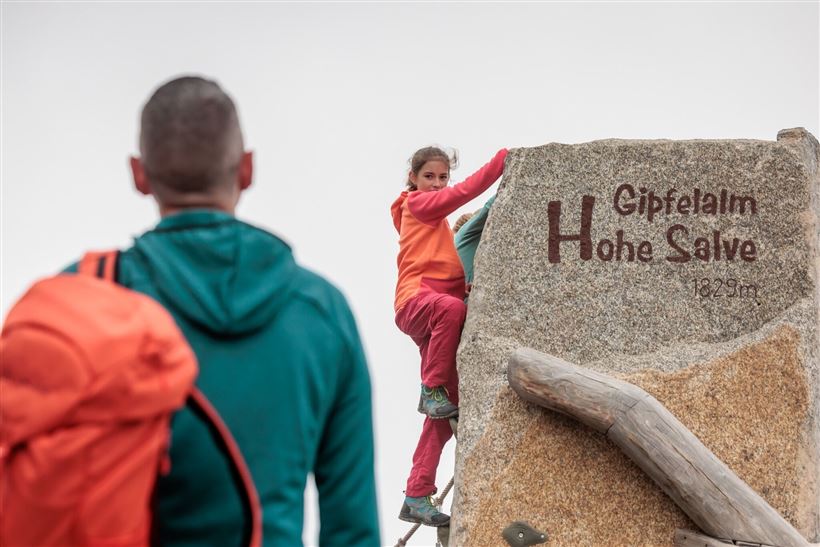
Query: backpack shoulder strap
[(200, 405), (101, 264)]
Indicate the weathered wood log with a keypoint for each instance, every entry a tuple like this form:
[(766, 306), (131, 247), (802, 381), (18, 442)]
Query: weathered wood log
[(716, 499)]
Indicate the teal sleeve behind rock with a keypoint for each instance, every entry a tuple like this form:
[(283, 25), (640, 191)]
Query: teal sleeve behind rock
[(469, 236)]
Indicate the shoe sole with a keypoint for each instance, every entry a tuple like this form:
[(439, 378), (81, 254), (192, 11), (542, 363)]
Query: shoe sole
[(445, 417), (419, 521)]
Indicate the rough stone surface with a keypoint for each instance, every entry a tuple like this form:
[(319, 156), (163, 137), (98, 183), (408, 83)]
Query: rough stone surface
[(737, 363)]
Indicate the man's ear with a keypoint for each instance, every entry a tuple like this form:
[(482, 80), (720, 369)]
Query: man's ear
[(246, 171), (140, 178)]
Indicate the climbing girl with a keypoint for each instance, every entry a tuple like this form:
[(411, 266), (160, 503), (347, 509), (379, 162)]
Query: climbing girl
[(430, 306)]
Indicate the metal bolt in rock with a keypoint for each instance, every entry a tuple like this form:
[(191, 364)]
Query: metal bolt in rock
[(521, 534)]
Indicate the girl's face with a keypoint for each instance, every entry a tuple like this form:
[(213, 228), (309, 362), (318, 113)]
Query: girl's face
[(433, 175)]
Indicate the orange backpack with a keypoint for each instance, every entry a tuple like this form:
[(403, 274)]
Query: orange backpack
[(90, 375)]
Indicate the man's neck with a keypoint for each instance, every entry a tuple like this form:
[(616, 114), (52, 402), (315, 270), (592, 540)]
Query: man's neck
[(168, 210)]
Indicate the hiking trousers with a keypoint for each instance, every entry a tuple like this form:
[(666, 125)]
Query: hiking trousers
[(434, 322)]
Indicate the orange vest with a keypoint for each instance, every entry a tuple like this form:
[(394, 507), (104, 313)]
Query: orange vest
[(427, 257)]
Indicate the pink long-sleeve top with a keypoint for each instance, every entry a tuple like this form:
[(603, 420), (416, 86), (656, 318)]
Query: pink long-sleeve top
[(427, 255)]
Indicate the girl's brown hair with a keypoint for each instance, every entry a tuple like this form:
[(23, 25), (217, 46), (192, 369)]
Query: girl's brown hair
[(430, 153)]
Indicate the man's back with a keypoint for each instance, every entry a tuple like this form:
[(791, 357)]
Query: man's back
[(280, 359)]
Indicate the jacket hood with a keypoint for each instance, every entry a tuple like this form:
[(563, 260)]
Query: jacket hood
[(395, 210), (225, 276)]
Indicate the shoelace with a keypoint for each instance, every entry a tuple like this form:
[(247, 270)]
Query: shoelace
[(430, 506), (438, 394)]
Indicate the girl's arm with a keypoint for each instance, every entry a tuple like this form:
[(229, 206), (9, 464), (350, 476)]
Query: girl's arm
[(431, 207)]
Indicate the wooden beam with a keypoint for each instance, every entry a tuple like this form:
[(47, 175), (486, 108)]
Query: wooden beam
[(716, 499)]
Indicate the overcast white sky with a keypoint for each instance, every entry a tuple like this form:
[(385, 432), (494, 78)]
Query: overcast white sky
[(335, 97)]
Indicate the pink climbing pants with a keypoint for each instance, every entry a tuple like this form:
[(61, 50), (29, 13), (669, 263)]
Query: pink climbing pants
[(434, 321)]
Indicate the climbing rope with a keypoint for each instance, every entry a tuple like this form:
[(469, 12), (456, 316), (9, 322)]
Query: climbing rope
[(439, 500)]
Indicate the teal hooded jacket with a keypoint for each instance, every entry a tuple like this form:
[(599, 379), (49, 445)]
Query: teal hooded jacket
[(469, 236), (281, 360)]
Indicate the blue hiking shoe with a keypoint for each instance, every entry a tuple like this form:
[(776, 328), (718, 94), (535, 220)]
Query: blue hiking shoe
[(421, 510), (434, 403)]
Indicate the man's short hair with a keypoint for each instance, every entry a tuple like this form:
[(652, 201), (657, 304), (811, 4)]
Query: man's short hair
[(190, 139), (461, 221)]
